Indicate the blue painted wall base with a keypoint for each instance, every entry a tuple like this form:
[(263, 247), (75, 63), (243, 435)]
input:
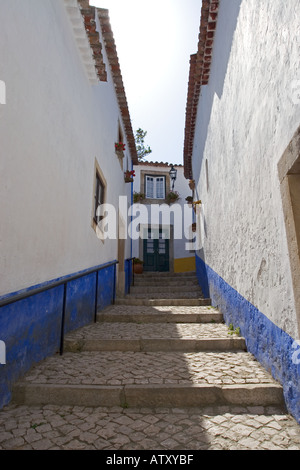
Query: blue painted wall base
[(31, 328), (271, 346)]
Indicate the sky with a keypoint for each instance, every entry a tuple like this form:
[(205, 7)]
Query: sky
[(154, 41)]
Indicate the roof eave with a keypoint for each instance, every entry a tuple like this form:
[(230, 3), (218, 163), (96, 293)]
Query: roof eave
[(200, 64)]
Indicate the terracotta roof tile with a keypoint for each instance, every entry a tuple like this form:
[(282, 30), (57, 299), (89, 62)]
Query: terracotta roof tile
[(199, 75), (88, 14), (96, 67), (158, 164), (112, 56)]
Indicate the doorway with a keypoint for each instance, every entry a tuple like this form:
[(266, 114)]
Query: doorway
[(156, 251), (289, 175)]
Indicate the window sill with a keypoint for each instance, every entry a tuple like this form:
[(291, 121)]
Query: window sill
[(154, 201)]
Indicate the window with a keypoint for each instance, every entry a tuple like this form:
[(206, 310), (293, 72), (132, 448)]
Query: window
[(120, 135), (98, 197), (155, 187)]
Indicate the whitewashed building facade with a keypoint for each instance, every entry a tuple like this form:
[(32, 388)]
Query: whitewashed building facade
[(242, 149), (65, 108), (165, 227)]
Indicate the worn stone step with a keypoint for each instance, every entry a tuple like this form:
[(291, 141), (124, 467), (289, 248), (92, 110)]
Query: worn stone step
[(178, 396), (153, 281), (169, 275), (152, 345), (165, 295), (145, 289), (148, 379), (160, 314), (153, 337), (163, 301)]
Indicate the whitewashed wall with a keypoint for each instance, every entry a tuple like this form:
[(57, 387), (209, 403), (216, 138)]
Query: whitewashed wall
[(52, 128), (247, 116)]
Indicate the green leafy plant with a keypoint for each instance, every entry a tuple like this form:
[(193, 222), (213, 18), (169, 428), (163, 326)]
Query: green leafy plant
[(35, 425), (128, 176), (119, 146), (172, 196), (138, 197), (233, 330)]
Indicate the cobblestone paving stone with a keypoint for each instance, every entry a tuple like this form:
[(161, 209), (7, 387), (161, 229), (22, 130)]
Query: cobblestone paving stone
[(54, 427), (158, 309), (167, 295), (121, 368), (81, 428), (162, 330)]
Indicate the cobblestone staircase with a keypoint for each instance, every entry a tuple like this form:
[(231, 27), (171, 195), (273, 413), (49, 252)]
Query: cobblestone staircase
[(161, 346), (165, 289)]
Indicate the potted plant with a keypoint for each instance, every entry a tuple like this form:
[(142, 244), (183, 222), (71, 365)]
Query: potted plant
[(194, 227), (195, 204), (192, 184), (138, 197), (189, 200), (172, 196), (128, 176), (138, 266), (119, 147)]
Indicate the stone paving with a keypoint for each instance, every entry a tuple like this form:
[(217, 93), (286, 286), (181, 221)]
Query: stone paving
[(123, 368), (82, 428), (158, 313), (119, 330), (59, 426)]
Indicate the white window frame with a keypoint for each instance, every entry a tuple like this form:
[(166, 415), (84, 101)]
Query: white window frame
[(155, 192)]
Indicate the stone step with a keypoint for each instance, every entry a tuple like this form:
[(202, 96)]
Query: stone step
[(173, 396), (165, 295), (169, 275), (153, 337), (171, 280), (152, 345), (160, 314), (172, 284), (144, 289), (148, 379), (162, 301)]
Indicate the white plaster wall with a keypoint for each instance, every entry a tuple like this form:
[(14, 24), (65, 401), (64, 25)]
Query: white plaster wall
[(181, 185), (247, 116), (52, 128)]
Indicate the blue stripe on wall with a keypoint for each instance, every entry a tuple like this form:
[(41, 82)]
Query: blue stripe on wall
[(31, 327), (271, 346), (128, 275)]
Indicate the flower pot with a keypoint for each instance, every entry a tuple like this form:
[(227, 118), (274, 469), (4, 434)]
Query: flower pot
[(171, 201), (192, 184), (128, 180), (120, 153), (194, 227), (138, 268), (119, 147)]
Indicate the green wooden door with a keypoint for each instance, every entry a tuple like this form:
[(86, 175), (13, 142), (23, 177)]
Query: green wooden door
[(156, 253)]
